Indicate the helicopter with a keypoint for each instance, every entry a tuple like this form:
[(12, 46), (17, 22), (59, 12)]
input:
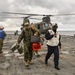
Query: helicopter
[(43, 26)]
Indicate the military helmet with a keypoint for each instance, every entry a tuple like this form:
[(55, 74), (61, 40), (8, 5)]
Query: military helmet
[(26, 22)]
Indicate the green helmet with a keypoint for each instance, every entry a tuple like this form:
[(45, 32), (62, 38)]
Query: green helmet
[(26, 22)]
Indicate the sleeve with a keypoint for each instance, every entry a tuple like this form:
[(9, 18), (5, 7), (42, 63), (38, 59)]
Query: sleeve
[(5, 34), (59, 41), (36, 31), (48, 36), (20, 37)]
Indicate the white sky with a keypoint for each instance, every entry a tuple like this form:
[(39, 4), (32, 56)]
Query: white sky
[(50, 7)]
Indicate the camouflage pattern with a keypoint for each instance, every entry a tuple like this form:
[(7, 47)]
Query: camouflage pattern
[(25, 22), (38, 33), (26, 36), (1, 42), (1, 45), (41, 36)]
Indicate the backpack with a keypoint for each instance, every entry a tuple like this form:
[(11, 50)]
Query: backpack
[(1, 34)]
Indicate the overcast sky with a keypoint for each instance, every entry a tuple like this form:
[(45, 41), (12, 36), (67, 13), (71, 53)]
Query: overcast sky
[(48, 7)]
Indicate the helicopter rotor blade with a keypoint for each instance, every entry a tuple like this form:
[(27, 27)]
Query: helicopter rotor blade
[(35, 18), (38, 14), (22, 13), (26, 14), (62, 15), (12, 17), (21, 17), (15, 17)]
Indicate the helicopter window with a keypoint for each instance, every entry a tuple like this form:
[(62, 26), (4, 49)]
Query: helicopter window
[(46, 25)]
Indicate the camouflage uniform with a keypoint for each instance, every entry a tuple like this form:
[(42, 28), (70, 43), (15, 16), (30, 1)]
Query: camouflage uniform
[(1, 41), (39, 35), (26, 36)]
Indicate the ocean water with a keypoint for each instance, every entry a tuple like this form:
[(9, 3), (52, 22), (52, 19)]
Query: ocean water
[(71, 33)]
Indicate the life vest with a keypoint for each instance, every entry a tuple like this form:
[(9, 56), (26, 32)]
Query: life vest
[(54, 41), (36, 46), (1, 34)]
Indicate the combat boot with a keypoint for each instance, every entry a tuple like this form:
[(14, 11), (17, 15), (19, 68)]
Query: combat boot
[(31, 63), (26, 64), (46, 62), (56, 67)]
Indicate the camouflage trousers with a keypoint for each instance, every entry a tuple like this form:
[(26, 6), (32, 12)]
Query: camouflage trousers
[(1, 44), (27, 52)]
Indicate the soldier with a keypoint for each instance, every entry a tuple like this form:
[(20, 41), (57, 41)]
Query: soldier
[(53, 45), (16, 32), (37, 34), (2, 36), (26, 34)]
